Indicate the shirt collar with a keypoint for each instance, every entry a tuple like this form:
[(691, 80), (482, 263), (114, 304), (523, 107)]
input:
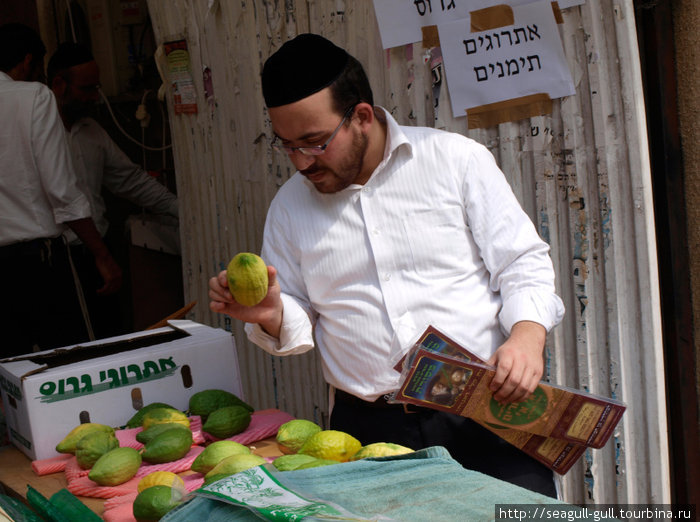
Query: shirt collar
[(82, 122), (395, 137)]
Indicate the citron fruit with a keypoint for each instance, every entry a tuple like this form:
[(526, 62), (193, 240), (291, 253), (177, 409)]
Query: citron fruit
[(70, 441), (215, 453), (331, 445), (204, 402), (291, 462), (154, 502), (115, 467), (92, 446), (163, 415), (150, 433), (171, 445), (380, 449), (235, 464), (226, 422), (291, 435), (247, 278), (318, 463), (135, 421), (161, 478)]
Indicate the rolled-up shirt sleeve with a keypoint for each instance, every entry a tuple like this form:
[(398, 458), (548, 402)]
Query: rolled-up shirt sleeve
[(295, 334), (54, 162), (531, 305)]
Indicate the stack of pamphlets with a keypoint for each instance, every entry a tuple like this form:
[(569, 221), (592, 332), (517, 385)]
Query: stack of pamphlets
[(554, 425)]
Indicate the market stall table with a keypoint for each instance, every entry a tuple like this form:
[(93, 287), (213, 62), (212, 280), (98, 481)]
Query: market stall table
[(16, 474)]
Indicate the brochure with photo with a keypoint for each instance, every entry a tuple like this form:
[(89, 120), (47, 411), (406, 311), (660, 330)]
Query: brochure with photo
[(554, 426)]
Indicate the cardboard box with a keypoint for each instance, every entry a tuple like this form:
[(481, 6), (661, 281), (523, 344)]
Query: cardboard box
[(47, 394)]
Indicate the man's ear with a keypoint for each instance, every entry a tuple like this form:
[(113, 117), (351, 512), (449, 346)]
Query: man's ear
[(364, 112), (22, 70), (58, 85)]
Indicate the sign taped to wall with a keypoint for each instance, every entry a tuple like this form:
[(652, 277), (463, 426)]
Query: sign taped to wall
[(400, 21), (505, 62)]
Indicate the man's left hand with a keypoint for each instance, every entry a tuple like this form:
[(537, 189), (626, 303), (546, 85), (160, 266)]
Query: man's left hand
[(519, 363)]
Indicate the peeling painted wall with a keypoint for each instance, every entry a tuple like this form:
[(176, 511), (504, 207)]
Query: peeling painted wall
[(581, 173)]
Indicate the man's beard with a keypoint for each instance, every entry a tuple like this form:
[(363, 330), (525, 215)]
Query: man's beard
[(74, 111), (347, 172)]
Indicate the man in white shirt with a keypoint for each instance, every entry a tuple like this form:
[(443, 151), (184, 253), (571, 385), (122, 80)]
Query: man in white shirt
[(73, 75), (383, 230), (39, 200)]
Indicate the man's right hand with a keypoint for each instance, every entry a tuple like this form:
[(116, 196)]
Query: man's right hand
[(267, 313), (110, 271), (111, 274)]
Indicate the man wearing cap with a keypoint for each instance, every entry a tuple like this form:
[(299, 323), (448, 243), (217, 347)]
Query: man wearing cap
[(383, 230), (74, 78), (39, 201)]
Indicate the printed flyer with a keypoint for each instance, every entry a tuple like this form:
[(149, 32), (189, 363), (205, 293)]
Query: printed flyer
[(441, 374)]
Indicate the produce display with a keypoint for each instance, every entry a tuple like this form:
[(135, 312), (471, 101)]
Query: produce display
[(205, 402), (161, 478), (227, 421), (137, 419), (293, 434), (165, 440), (233, 464), (92, 446), (172, 444), (116, 467), (215, 453), (331, 445), (154, 502), (150, 433), (162, 416), (70, 441)]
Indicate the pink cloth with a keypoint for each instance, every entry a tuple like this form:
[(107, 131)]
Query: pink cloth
[(120, 509), (73, 471), (193, 481), (50, 465), (84, 487)]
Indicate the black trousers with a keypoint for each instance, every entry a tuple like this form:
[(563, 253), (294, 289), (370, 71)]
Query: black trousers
[(473, 446), (39, 307)]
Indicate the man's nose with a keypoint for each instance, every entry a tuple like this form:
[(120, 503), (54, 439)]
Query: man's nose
[(302, 161)]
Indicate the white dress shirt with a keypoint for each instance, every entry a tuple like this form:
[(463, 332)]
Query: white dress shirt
[(38, 189), (99, 163), (435, 236)]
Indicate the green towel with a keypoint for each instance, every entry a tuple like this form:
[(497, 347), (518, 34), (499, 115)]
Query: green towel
[(424, 485)]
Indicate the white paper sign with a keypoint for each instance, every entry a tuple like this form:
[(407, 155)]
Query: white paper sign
[(400, 21), (507, 62)]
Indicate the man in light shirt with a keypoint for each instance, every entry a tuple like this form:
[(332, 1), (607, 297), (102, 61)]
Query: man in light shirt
[(74, 78), (39, 201), (383, 230)]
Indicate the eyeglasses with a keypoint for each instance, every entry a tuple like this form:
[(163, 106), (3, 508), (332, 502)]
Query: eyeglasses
[(311, 151)]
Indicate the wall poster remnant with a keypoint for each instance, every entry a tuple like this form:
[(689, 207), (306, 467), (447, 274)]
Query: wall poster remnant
[(180, 77)]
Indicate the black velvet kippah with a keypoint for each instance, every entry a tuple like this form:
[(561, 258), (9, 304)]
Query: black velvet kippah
[(67, 55), (301, 67)]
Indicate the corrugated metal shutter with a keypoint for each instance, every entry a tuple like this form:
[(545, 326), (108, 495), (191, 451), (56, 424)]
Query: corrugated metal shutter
[(582, 174)]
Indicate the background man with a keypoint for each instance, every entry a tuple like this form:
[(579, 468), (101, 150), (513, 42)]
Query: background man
[(39, 200), (382, 230), (74, 77)]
